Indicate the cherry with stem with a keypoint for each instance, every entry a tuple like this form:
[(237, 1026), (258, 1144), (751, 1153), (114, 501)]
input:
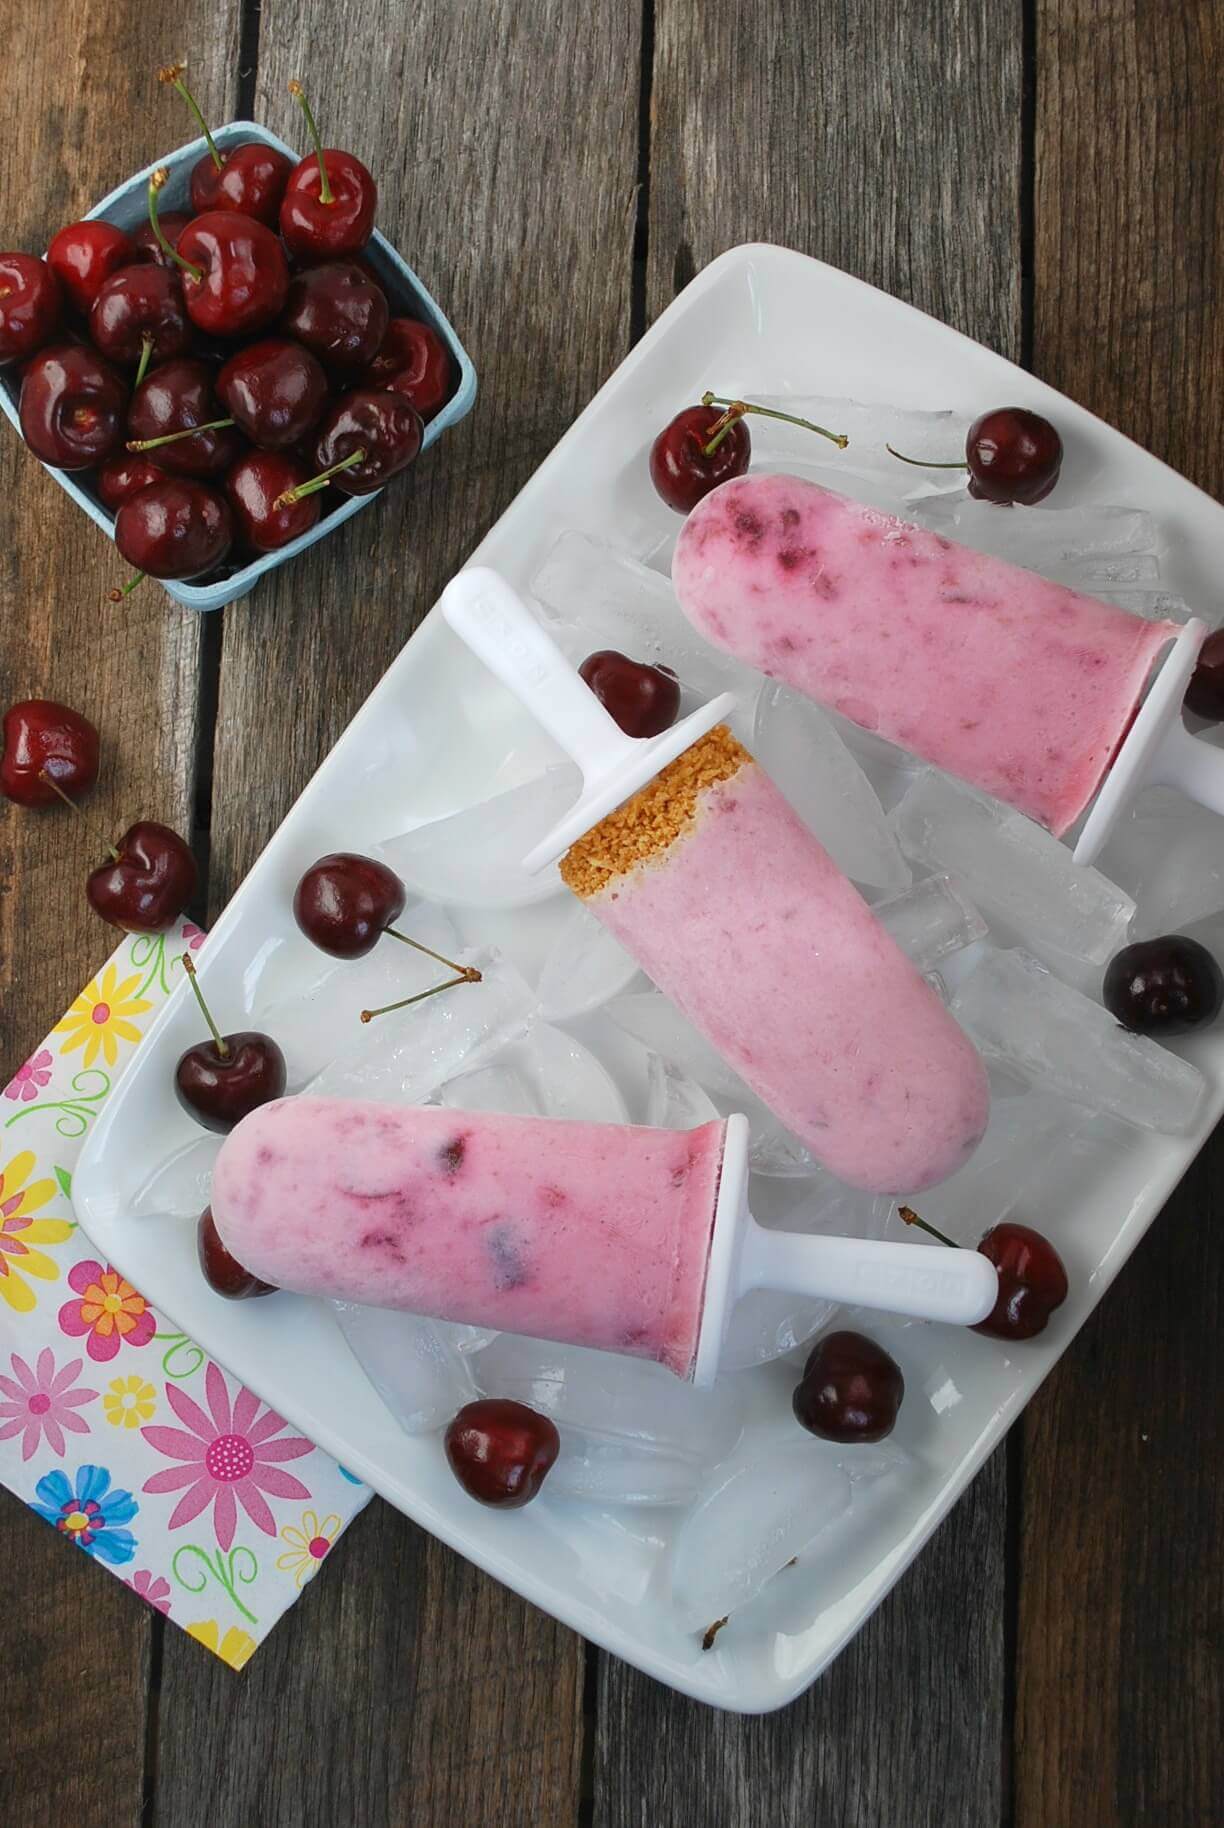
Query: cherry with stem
[(219, 1041), (157, 183), (326, 194), (172, 76)]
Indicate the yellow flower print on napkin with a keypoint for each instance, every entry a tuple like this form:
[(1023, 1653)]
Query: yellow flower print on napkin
[(21, 1233), (129, 1401), (235, 1648), (101, 1016), (307, 1545)]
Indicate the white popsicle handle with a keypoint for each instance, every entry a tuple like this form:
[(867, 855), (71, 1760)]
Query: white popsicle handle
[(492, 619), (1194, 766), (959, 1286)]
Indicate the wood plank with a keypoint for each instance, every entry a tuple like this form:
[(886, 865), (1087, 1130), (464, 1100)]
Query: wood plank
[(1120, 1702), (504, 143), (885, 139), (82, 111)]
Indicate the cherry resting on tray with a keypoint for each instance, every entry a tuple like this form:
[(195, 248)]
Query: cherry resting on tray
[(345, 903), (1205, 693), (223, 1080), (31, 304), (1165, 986), (642, 699), (1032, 1276), (1012, 456), (85, 254), (257, 487), (501, 1451), (223, 1272), (174, 529), (177, 397), (708, 444), (851, 1389), (147, 881), (413, 361), (249, 178), (72, 406), (330, 199), (140, 308), (339, 313), (50, 753), (275, 390)]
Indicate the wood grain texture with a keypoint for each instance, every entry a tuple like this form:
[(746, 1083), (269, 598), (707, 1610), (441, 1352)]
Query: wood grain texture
[(885, 139), (1120, 1699), (81, 111), (514, 203)]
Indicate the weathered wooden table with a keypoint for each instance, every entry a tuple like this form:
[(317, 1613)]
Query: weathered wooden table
[(1044, 174)]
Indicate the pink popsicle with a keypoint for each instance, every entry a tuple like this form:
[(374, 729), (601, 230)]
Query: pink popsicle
[(738, 914), (590, 1234), (1019, 686)]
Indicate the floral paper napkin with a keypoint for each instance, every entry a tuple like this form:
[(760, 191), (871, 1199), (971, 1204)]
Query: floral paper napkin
[(115, 1427)]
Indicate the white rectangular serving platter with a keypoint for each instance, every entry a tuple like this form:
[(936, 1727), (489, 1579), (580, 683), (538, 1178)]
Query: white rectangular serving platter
[(438, 733)]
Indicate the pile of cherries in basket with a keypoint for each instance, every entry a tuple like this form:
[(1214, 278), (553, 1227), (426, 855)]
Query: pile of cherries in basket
[(217, 375)]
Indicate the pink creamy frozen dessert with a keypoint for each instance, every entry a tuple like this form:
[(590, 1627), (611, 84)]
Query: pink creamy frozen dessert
[(589, 1234), (726, 899), (1021, 687)]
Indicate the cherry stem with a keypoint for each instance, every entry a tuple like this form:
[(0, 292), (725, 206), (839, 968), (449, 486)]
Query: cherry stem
[(146, 352), (326, 194), (55, 787), (321, 480), (922, 463), (740, 407), (911, 1218), (156, 184), (172, 75), (468, 973), (188, 431), (221, 1044), (125, 590), (368, 1015)]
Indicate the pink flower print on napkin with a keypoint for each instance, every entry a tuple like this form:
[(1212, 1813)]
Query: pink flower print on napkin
[(151, 1587), (42, 1402), (110, 1311), (227, 1460), (30, 1078), (193, 936)]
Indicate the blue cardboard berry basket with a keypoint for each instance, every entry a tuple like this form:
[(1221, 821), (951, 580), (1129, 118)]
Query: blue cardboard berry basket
[(127, 208)]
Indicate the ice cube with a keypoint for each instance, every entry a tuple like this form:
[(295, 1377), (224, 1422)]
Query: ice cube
[(868, 426), (1167, 852), (565, 1078), (931, 921), (673, 1101), (1057, 542), (497, 1087), (597, 597), (1018, 1012), (585, 966), (474, 857), (181, 1185), (797, 744), (323, 1009), (414, 1364), (1013, 869), (748, 1526), (407, 1055)]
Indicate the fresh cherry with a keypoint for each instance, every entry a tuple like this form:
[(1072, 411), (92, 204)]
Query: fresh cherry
[(223, 1080), (85, 254), (31, 304), (50, 753), (275, 390), (249, 178), (413, 361), (148, 247), (1205, 693), (121, 476), (72, 406), (330, 199), (235, 275), (175, 398), (689, 458), (222, 1271), (851, 1389), (642, 699), (174, 529), (147, 881), (345, 903), (1011, 454), (139, 315), (500, 1451), (339, 312), (367, 438), (1165, 986), (256, 487), (1032, 1281)]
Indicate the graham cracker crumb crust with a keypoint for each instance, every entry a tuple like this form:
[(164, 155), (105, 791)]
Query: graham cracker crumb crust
[(656, 815)]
